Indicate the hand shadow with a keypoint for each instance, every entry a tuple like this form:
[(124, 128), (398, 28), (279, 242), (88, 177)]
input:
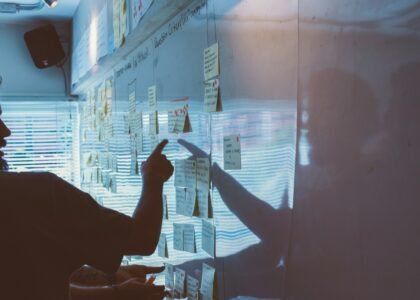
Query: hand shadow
[(255, 271)]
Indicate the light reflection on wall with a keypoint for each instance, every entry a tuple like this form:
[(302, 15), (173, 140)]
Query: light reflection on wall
[(93, 41)]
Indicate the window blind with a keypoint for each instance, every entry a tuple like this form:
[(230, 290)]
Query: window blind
[(45, 137)]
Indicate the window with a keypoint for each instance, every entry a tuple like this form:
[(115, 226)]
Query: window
[(44, 137)]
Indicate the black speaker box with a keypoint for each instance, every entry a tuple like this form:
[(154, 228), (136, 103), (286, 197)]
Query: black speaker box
[(45, 47)]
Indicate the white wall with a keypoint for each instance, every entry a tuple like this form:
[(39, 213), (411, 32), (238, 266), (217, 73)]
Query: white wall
[(20, 76), (355, 224)]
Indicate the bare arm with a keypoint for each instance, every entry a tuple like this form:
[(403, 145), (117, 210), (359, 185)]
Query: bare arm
[(147, 216)]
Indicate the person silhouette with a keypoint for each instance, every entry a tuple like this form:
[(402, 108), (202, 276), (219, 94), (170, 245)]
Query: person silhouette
[(50, 229)]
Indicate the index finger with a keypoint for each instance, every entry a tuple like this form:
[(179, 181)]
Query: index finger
[(151, 270), (193, 149), (159, 148)]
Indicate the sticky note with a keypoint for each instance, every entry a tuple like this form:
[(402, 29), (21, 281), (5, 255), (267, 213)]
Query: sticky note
[(191, 207), (106, 179), (171, 121), (190, 174), (212, 99), (87, 175), (113, 162), (180, 200), (153, 123), (179, 282), (179, 120), (193, 286), (165, 207), (232, 152), (151, 96), (203, 173), (135, 121), (113, 184), (178, 237), (208, 237), (169, 276), (211, 62), (134, 168), (123, 20), (108, 89), (132, 97), (207, 282), (180, 173), (116, 23), (204, 204), (189, 238), (126, 122), (154, 141), (162, 246)]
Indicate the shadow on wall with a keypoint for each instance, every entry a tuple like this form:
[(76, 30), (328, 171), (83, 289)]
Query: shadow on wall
[(356, 218), (257, 271), (327, 235)]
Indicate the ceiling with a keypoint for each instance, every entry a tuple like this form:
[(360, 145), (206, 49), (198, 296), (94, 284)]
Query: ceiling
[(63, 11)]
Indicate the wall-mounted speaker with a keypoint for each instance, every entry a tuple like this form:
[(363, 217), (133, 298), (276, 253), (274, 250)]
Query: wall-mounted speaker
[(44, 46)]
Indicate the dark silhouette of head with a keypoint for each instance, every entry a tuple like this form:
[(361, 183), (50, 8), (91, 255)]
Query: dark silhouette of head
[(4, 132), (342, 117)]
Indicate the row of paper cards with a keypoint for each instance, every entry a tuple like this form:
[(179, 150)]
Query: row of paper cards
[(183, 285), (192, 177), (184, 239)]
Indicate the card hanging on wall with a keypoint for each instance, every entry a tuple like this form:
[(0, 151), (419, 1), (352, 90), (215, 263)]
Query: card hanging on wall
[(178, 237), (232, 152), (169, 276), (208, 236), (179, 283), (162, 246), (134, 167), (113, 184), (123, 16), (153, 123), (119, 20), (190, 173), (208, 288), (108, 96), (179, 120), (203, 173), (179, 173), (212, 98), (132, 105), (116, 22), (180, 200), (151, 96), (113, 162), (165, 207), (205, 208), (188, 232), (191, 205), (138, 10), (211, 62), (106, 179), (193, 286)]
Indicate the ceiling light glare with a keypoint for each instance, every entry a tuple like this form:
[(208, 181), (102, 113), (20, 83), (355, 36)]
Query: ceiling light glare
[(51, 3)]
